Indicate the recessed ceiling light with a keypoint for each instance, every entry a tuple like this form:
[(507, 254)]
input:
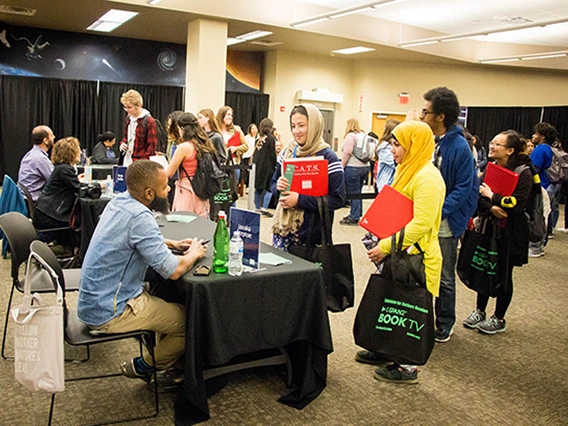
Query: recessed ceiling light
[(353, 50), (153, 2), (233, 40), (111, 20), (254, 35)]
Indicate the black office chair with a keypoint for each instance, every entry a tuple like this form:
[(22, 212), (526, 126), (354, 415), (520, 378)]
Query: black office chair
[(19, 232), (78, 334)]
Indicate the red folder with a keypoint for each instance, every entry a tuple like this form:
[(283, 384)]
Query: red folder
[(234, 140), (389, 213), (310, 175), (501, 180)]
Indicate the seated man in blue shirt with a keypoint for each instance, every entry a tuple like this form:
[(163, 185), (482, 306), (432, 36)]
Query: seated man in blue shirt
[(36, 167), (112, 297)]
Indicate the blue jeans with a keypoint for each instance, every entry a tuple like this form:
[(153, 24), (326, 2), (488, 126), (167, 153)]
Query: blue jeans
[(446, 301), (553, 190), (262, 195), (354, 178)]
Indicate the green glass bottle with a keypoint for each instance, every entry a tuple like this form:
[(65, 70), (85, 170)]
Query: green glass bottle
[(221, 245)]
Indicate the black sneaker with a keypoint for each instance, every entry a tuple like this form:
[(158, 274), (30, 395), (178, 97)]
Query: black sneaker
[(368, 357), (492, 325), (396, 374), (265, 213), (349, 221), (170, 380), (442, 335), (473, 320)]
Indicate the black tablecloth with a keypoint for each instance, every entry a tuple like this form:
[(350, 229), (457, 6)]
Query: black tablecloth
[(283, 306)]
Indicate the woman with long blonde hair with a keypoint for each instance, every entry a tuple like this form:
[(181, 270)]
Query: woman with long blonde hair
[(355, 170)]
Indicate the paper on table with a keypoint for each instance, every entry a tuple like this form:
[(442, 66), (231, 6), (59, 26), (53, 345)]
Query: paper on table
[(272, 259), (160, 159), (182, 218)]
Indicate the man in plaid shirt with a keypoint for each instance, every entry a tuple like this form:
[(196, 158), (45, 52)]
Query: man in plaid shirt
[(140, 134)]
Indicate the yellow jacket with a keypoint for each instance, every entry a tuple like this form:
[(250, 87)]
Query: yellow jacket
[(426, 189)]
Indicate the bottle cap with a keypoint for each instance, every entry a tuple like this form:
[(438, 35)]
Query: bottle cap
[(222, 214)]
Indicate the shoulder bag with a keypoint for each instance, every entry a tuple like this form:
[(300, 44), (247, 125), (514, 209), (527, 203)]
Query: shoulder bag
[(38, 333), (336, 263), (395, 317)]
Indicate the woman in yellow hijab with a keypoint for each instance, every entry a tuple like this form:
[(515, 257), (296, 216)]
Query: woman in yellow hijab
[(418, 179), (296, 219)]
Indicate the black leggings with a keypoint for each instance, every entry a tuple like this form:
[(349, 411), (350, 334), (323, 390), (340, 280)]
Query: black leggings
[(503, 300)]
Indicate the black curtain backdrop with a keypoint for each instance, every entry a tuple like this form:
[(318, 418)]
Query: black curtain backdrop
[(66, 106), (558, 117), (248, 107), (486, 122), (70, 108)]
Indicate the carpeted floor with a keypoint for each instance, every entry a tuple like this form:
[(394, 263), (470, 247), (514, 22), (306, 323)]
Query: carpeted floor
[(515, 378)]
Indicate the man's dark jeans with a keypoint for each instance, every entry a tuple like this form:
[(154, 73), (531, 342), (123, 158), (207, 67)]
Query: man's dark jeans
[(446, 301)]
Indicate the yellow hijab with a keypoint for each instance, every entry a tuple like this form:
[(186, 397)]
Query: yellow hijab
[(288, 221), (418, 141)]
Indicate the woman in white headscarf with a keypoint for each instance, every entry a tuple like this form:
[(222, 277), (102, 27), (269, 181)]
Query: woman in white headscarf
[(296, 219)]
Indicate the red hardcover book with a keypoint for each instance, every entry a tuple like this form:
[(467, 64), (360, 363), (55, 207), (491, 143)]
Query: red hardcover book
[(389, 213), (310, 175), (234, 140), (501, 180)]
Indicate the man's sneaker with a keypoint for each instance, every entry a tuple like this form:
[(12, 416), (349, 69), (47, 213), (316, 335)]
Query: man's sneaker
[(349, 221), (129, 371), (565, 230), (396, 374), (265, 213), (442, 335), (473, 320), (536, 252), (492, 325), (168, 381), (368, 357)]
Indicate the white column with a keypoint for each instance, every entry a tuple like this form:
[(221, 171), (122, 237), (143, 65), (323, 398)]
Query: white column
[(206, 64)]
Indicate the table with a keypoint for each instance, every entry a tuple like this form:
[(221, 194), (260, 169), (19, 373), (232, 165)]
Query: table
[(282, 306)]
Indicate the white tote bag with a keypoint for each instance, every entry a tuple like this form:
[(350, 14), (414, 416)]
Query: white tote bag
[(38, 334)]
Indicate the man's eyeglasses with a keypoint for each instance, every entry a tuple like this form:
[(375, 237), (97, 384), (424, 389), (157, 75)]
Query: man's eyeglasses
[(425, 112)]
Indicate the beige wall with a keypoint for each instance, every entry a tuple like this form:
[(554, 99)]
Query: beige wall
[(380, 83)]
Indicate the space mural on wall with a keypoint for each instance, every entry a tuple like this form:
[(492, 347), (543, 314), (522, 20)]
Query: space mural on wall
[(38, 52)]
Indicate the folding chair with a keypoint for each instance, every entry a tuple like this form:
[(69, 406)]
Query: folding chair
[(78, 334), (19, 233)]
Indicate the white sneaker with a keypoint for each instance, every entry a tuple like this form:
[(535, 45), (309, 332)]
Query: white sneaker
[(565, 230), (536, 252)]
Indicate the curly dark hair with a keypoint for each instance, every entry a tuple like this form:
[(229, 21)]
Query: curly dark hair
[(548, 131), (444, 101)]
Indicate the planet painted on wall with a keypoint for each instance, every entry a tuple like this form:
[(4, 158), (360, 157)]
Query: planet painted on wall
[(59, 64)]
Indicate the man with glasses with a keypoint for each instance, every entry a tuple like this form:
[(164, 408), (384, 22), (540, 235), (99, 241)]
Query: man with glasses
[(36, 167), (453, 157), (140, 131)]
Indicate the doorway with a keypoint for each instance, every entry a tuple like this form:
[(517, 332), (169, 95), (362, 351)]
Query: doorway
[(328, 115), (379, 120)]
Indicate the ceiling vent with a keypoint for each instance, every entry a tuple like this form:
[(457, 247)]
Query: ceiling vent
[(518, 20), (266, 43), (17, 10)]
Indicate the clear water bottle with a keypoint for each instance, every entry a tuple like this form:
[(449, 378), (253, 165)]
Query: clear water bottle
[(236, 248), (108, 190), (221, 245)]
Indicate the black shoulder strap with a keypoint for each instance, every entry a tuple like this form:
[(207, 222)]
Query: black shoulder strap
[(323, 209)]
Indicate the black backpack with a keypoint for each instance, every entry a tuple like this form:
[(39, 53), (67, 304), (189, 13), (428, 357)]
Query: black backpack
[(558, 170), (535, 207), (161, 134), (208, 178)]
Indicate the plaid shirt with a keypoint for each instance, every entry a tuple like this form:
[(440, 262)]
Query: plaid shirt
[(437, 159), (144, 144)]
